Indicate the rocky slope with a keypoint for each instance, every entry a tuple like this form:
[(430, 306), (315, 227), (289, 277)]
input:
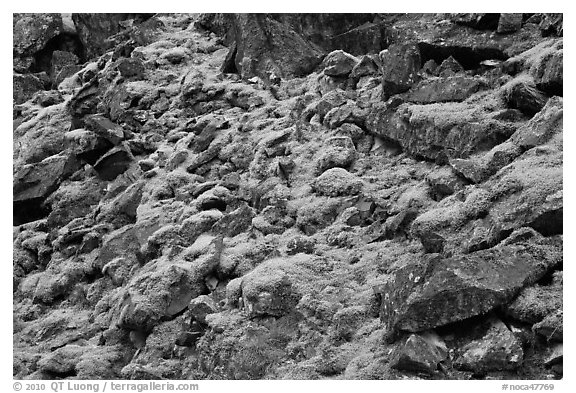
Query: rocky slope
[(232, 196)]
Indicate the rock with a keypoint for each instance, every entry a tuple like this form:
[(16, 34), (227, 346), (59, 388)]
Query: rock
[(535, 303), (115, 162), (400, 66), (362, 140), (300, 244), (420, 353), (365, 67), (556, 355), (477, 20), (74, 199), (549, 74), (175, 55), (521, 93), (269, 290), (449, 67), (33, 31), (455, 88), (441, 130), (272, 220), (347, 113), (62, 361), (122, 209), (551, 327), (496, 350), (199, 223), (552, 25), (235, 222), (200, 307), (34, 182), (264, 45), (24, 87), (329, 101), (509, 23), (119, 270), (61, 60), (131, 68), (337, 182), (430, 67), (437, 291), (542, 127), (339, 152), (160, 293), (94, 29), (318, 214), (122, 243), (444, 182), (105, 128), (49, 98), (339, 63)]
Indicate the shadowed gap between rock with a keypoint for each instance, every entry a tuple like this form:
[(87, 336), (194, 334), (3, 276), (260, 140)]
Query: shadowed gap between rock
[(68, 42), (29, 210), (469, 58)]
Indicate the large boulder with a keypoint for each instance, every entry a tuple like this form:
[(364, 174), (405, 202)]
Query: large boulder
[(400, 66), (265, 46), (31, 34), (162, 291), (94, 29), (33, 183), (440, 131), (435, 291), (455, 88)]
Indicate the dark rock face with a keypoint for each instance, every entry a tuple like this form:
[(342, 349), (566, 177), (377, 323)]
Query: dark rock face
[(263, 44), (420, 353), (34, 182), (24, 87), (439, 291), (94, 29), (400, 66), (495, 349)]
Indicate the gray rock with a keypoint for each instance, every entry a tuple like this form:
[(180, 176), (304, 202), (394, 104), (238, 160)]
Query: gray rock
[(420, 353), (521, 93), (200, 307), (115, 162), (454, 88), (496, 350), (339, 152), (339, 63), (337, 182), (400, 66), (509, 23), (437, 291)]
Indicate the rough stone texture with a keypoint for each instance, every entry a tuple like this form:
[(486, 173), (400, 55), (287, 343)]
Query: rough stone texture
[(24, 87), (441, 130), (400, 66), (339, 63), (438, 291), (420, 353), (337, 181), (497, 349), (263, 47), (509, 23), (94, 29), (456, 88)]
